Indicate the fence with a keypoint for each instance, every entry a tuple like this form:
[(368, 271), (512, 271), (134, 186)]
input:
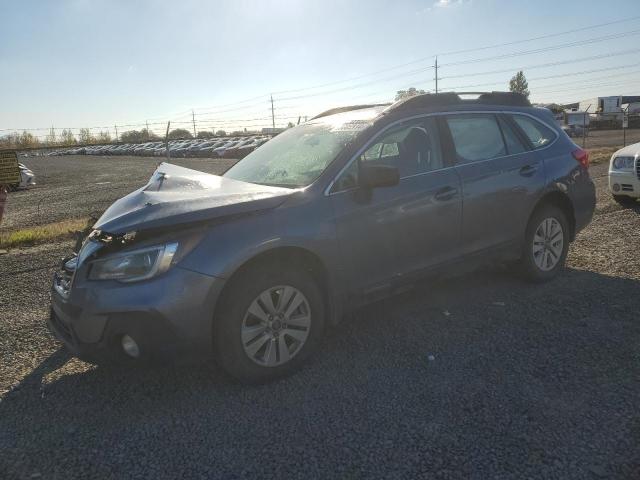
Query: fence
[(601, 130)]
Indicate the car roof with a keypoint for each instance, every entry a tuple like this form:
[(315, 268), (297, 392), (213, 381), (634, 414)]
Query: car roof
[(441, 102)]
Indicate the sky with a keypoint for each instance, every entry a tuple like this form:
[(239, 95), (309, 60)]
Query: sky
[(98, 63)]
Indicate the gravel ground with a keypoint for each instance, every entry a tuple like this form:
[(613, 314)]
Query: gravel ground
[(483, 376)]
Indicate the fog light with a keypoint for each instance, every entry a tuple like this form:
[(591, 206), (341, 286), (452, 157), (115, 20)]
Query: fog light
[(616, 187), (130, 346)]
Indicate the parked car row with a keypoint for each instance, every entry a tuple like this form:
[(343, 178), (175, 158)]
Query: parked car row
[(227, 147)]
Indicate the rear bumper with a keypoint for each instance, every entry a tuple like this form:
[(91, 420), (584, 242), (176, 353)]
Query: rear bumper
[(170, 317), (584, 205)]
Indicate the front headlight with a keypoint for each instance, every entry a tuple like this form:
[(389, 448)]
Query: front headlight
[(135, 265), (623, 163)]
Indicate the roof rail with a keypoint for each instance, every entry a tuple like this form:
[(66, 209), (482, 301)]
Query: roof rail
[(454, 98), (333, 111)]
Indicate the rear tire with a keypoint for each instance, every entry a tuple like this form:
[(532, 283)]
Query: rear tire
[(269, 322), (546, 244), (624, 200)]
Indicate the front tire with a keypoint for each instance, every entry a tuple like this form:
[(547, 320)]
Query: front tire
[(546, 244), (269, 322)]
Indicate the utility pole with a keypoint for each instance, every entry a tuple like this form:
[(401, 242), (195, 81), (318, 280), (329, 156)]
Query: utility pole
[(166, 141), (584, 126), (193, 117), (436, 65), (273, 117), (147, 122), (116, 127)]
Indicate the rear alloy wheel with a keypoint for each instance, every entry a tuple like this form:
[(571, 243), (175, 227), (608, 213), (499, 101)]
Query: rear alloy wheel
[(546, 244), (269, 321)]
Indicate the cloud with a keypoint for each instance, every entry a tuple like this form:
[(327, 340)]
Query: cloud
[(441, 4), (449, 3)]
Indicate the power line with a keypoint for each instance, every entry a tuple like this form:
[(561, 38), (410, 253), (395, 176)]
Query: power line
[(547, 77), (550, 64), (546, 49), (528, 52), (237, 104), (456, 52)]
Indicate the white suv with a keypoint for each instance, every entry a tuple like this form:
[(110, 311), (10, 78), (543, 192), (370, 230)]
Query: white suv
[(624, 174)]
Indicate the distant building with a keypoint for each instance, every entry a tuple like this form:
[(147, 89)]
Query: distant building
[(632, 108), (607, 108)]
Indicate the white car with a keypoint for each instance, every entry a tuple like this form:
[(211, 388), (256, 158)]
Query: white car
[(624, 174), (27, 178)]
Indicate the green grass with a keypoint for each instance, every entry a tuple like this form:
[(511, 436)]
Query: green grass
[(42, 234)]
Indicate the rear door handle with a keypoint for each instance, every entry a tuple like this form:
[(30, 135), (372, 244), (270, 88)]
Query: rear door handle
[(528, 170), (445, 193)]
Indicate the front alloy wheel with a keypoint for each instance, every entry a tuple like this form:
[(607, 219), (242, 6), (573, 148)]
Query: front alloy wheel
[(270, 319), (276, 326)]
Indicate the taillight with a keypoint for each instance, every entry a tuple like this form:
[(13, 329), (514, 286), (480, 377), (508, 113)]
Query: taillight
[(581, 156)]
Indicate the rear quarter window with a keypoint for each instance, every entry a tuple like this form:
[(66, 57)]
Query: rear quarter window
[(538, 134)]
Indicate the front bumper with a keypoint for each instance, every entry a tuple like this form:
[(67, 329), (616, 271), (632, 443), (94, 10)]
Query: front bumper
[(624, 183), (170, 317)]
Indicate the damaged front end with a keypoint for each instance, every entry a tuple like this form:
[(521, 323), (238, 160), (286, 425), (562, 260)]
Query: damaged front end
[(126, 292), (144, 233)]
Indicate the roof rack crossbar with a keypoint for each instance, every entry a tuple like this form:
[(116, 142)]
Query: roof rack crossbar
[(454, 98), (333, 111)]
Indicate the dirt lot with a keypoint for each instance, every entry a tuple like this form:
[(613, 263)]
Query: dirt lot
[(609, 138), (484, 376), (76, 186)]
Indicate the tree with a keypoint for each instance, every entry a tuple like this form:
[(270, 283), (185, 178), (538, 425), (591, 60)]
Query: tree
[(133, 136), (221, 133), (148, 135), (104, 137), (204, 134), (51, 137), (411, 92), (67, 138), (85, 136), (519, 84), (138, 136), (179, 133)]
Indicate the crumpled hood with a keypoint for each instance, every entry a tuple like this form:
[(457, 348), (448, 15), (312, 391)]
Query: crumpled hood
[(176, 195)]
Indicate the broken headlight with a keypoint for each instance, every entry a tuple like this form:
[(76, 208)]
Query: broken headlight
[(134, 265)]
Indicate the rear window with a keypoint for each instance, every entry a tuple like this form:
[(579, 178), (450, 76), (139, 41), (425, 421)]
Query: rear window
[(476, 137), (539, 135)]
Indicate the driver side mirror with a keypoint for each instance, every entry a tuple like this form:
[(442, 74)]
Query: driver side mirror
[(372, 176)]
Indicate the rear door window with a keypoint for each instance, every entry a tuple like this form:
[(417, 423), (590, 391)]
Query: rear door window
[(514, 144), (539, 135), (476, 137)]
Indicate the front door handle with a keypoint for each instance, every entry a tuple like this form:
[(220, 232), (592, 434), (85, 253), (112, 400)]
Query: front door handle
[(445, 193), (528, 170)]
